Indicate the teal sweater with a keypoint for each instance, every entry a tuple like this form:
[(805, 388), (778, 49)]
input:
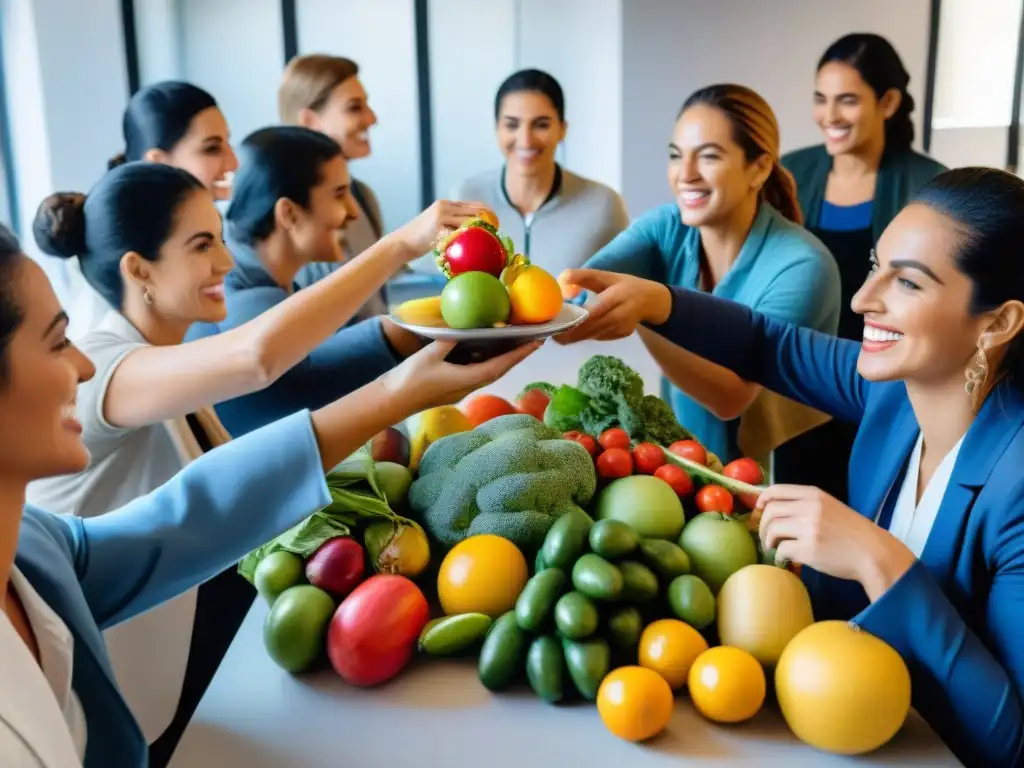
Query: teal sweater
[(900, 176), (782, 271)]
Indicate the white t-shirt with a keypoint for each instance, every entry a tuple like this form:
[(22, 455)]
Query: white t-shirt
[(912, 521), (41, 720)]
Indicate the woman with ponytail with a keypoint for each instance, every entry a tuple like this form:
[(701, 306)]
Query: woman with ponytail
[(850, 188), (734, 230)]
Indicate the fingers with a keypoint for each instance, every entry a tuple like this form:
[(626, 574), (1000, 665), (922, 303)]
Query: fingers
[(779, 529), (438, 350), (783, 492), (595, 280)]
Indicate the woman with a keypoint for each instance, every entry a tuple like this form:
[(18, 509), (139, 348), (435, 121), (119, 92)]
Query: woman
[(291, 197), (733, 231), (64, 579), (149, 240), (176, 124), (850, 188), (929, 558), (555, 217), (324, 93)]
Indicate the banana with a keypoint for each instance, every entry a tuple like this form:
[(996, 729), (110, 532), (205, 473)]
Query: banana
[(426, 311)]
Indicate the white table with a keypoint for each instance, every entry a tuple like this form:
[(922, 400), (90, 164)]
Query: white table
[(436, 713)]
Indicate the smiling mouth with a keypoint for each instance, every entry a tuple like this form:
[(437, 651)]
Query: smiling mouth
[(527, 154), (879, 339), (69, 419), (838, 133), (214, 291), (693, 198), (224, 182)]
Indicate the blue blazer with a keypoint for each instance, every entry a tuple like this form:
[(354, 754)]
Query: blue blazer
[(957, 616), (99, 571)]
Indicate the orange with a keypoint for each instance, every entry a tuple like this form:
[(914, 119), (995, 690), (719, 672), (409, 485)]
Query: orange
[(535, 296), (669, 647), (635, 703), (481, 408), (481, 574), (727, 684)]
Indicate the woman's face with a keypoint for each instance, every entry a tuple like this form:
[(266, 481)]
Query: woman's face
[(315, 231), (708, 171), (347, 118), (187, 281), (915, 303), (529, 132), (847, 111), (39, 434), (206, 153)]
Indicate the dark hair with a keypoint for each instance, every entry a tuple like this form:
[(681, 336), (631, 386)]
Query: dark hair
[(878, 64), (532, 80), (11, 314), (283, 161), (132, 208), (158, 116), (756, 130), (987, 204)]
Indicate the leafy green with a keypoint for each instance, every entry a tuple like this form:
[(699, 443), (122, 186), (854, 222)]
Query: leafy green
[(565, 409)]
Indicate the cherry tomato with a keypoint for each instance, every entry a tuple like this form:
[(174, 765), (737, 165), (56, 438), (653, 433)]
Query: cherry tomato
[(648, 457), (690, 449), (585, 440), (615, 438), (615, 463), (677, 478), (746, 471), (714, 498)]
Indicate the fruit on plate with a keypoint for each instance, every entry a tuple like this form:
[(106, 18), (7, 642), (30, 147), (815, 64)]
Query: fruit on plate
[(482, 574), (277, 572), (635, 703), (425, 312), (474, 300), (533, 293), (841, 689), (484, 407), (727, 685), (718, 546), (390, 445), (373, 633), (645, 503), (293, 631), (760, 609), (337, 566), (432, 425), (473, 247), (670, 647)]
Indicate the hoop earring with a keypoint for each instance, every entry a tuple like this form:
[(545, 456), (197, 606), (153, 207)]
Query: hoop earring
[(976, 375), (147, 295)]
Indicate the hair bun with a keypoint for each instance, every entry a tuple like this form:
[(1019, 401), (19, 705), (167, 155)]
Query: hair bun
[(116, 160), (59, 225)]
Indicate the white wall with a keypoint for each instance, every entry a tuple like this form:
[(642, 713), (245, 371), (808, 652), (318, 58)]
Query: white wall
[(672, 48)]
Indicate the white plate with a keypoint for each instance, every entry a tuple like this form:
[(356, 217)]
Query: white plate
[(569, 317)]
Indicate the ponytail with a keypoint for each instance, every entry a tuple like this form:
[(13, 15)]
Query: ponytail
[(779, 191), (899, 129)]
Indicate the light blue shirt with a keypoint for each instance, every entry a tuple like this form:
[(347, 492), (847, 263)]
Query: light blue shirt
[(782, 271)]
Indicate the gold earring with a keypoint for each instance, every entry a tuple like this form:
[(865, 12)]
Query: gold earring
[(976, 374), (147, 295)]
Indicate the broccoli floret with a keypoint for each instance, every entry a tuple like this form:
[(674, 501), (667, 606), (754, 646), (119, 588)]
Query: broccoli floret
[(610, 380), (659, 422), (511, 476), (543, 386)]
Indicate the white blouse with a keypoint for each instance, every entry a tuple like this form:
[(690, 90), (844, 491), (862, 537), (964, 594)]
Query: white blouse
[(912, 521)]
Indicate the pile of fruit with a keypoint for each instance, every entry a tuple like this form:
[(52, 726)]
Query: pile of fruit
[(488, 284)]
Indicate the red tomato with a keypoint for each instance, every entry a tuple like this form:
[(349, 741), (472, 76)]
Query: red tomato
[(483, 407), (690, 449), (648, 457), (676, 477), (615, 463), (585, 440), (475, 250), (746, 471), (373, 633), (615, 438), (714, 498), (534, 402)]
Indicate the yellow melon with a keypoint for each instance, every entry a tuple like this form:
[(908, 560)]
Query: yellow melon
[(841, 689), (760, 609)]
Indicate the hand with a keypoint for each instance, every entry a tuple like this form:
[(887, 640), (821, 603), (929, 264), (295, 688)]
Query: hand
[(805, 525), (425, 380), (444, 216), (624, 302)]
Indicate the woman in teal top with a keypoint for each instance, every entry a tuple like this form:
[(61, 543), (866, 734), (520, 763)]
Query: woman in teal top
[(850, 188), (734, 230)]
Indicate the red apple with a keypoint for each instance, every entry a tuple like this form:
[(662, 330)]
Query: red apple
[(337, 566), (390, 445), (475, 250)]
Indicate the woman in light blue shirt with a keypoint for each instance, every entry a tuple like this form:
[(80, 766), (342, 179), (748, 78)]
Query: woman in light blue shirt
[(734, 231)]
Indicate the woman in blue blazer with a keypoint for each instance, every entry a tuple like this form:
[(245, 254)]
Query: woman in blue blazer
[(929, 556), (63, 579)]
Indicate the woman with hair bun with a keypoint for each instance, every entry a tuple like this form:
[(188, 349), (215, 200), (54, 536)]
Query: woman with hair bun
[(850, 188), (734, 230)]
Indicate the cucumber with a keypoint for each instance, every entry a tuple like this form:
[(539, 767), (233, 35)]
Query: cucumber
[(566, 539), (426, 628), (588, 663), (666, 558), (538, 562), (613, 539), (596, 578), (538, 598), (639, 584), (624, 626), (545, 668), (692, 601), (454, 634), (576, 616), (503, 653)]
